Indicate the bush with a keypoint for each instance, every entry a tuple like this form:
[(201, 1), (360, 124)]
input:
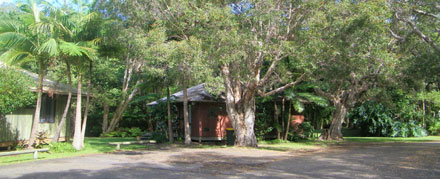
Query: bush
[(135, 131), (61, 147), (303, 131), (14, 90), (375, 120), (434, 129), (159, 137), (122, 132)]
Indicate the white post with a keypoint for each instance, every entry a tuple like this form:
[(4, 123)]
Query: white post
[(35, 155)]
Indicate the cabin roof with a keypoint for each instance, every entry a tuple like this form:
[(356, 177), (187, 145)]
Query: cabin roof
[(195, 94), (49, 85)]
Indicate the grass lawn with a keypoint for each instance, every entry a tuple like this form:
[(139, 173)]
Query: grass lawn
[(392, 139), (280, 145), (93, 145)]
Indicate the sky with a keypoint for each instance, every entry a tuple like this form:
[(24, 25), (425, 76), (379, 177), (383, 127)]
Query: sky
[(2, 1)]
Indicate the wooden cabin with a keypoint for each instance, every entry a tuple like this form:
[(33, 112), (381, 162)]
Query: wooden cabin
[(16, 126), (208, 117), (207, 114)]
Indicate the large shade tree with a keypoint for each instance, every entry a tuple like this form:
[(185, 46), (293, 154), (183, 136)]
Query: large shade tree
[(244, 41), (350, 45)]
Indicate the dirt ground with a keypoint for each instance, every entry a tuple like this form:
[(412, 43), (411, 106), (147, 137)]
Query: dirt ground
[(386, 160)]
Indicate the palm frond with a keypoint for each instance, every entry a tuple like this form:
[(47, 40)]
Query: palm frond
[(14, 39), (16, 57), (299, 106), (8, 26), (70, 49), (313, 99), (90, 53), (50, 47)]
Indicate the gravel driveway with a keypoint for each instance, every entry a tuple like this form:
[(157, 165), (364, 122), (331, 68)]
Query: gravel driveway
[(385, 160)]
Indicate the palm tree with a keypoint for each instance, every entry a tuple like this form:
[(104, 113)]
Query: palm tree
[(34, 38), (86, 36)]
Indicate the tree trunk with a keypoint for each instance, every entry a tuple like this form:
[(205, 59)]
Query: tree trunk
[(150, 125), (77, 134), (86, 110), (121, 108), (240, 105), (289, 118), (335, 130), (185, 112), (275, 117), (105, 116), (36, 121), (283, 116), (170, 123), (66, 109), (243, 120)]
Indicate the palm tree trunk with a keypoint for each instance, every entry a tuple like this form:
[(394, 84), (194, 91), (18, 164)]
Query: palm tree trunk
[(35, 123), (66, 109), (86, 110), (77, 134)]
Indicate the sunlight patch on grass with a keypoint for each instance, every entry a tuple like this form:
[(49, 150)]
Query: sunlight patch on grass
[(282, 145)]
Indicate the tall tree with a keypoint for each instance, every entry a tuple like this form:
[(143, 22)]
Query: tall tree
[(246, 44), (33, 38), (350, 44)]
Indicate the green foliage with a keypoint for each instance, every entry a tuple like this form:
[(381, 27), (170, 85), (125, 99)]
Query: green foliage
[(159, 136), (125, 132), (376, 120), (302, 132), (61, 147), (372, 119), (135, 131), (434, 129), (15, 90), (121, 132)]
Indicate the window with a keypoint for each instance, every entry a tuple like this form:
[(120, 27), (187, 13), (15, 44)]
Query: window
[(47, 109)]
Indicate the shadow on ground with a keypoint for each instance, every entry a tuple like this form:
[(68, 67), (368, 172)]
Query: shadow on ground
[(417, 160)]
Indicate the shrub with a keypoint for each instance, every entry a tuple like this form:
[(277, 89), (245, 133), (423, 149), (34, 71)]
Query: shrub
[(159, 137), (415, 130), (303, 131), (373, 119), (14, 90), (121, 132), (135, 131), (434, 129)]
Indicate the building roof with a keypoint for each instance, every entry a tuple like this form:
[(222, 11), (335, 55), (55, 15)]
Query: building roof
[(50, 86), (195, 94)]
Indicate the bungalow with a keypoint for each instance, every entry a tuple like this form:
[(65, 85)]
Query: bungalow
[(207, 114), (208, 118), (17, 125)]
